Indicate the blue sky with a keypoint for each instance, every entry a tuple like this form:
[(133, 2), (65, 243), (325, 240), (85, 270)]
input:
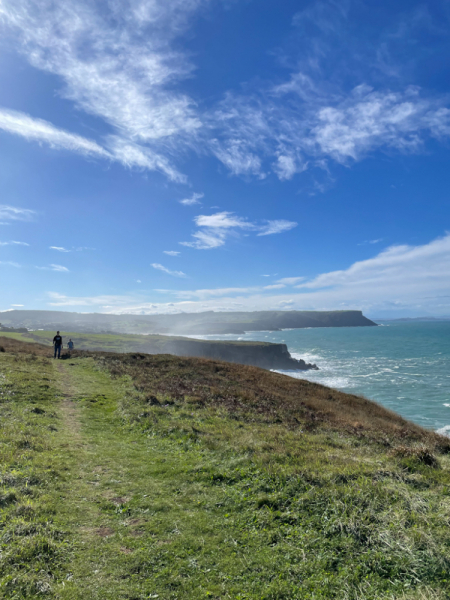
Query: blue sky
[(188, 155)]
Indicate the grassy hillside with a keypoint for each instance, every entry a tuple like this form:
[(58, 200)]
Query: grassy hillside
[(129, 477)]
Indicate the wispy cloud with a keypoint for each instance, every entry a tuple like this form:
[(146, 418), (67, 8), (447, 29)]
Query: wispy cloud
[(215, 229), (171, 252), (115, 64), (10, 263), (52, 267), (279, 226), (15, 213), (168, 271), (13, 243), (291, 280), (125, 68), (58, 299), (39, 130), (342, 127), (194, 199), (370, 242), (59, 249)]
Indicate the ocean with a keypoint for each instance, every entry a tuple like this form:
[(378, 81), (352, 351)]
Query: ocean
[(404, 366)]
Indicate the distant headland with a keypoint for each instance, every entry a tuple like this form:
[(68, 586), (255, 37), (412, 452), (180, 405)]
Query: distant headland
[(205, 323)]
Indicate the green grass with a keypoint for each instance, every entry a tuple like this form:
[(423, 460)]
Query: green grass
[(115, 485)]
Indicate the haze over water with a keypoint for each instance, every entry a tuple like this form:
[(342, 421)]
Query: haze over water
[(403, 366)]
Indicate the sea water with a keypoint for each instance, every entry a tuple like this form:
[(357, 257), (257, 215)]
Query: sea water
[(404, 366)]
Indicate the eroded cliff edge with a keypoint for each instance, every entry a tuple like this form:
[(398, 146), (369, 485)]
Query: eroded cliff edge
[(257, 354)]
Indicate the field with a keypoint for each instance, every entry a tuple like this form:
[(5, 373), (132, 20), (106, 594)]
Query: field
[(136, 476)]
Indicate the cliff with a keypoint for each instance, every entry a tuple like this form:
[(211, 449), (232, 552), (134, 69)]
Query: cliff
[(264, 355)]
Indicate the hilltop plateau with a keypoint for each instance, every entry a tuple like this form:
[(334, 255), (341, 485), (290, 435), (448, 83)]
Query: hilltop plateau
[(132, 476)]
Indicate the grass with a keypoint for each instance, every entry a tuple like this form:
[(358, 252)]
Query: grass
[(129, 477)]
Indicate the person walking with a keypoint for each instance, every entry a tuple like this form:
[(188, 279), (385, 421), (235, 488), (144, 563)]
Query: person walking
[(57, 342), (70, 346)]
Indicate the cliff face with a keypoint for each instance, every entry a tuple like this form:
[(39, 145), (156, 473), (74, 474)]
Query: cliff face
[(266, 356)]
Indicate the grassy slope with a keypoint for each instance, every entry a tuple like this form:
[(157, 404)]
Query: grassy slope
[(159, 477)]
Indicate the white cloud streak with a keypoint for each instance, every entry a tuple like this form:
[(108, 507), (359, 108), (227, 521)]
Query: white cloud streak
[(32, 129), (13, 243), (159, 267), (58, 268), (171, 252), (217, 228), (15, 213), (194, 199), (10, 263), (279, 226), (59, 249)]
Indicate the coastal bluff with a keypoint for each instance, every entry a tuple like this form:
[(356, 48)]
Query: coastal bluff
[(258, 354)]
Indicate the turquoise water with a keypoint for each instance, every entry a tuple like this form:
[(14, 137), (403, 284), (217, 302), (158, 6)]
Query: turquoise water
[(404, 366)]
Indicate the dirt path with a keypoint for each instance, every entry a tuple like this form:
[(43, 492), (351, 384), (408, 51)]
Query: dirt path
[(69, 410)]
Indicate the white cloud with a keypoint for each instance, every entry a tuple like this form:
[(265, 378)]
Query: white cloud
[(59, 268), (279, 226), (10, 263), (14, 213), (171, 252), (17, 305), (216, 228), (168, 271), (422, 267), (207, 239), (222, 220), (290, 280), (275, 286), (134, 155), (117, 63), (52, 267), (58, 299), (126, 152), (13, 243), (59, 249), (39, 130), (298, 124), (235, 155), (194, 199), (371, 242), (121, 61)]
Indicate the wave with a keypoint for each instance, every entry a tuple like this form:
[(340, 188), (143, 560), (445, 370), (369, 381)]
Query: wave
[(444, 430)]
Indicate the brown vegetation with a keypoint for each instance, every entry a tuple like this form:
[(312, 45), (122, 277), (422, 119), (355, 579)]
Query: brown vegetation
[(262, 396)]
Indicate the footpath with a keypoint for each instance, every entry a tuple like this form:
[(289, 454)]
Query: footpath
[(96, 510)]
